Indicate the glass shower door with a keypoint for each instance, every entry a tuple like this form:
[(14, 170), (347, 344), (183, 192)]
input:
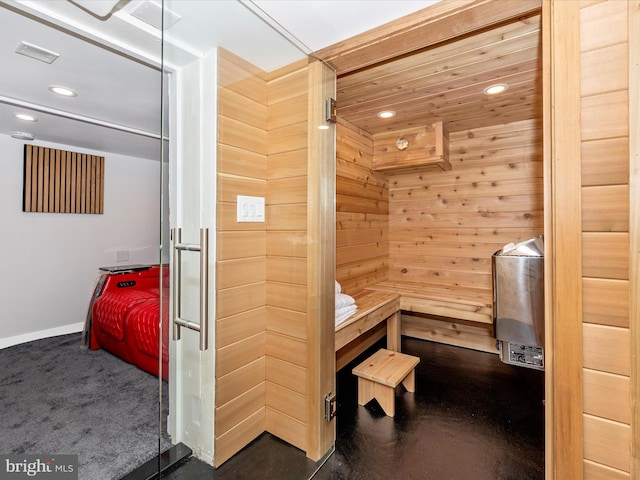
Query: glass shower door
[(223, 62)]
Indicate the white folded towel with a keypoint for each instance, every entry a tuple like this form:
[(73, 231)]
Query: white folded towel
[(338, 288), (344, 300), (345, 312)]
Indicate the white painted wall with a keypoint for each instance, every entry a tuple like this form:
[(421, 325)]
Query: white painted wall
[(194, 146), (50, 261)]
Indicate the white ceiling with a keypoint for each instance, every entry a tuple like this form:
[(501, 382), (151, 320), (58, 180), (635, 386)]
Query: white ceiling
[(113, 62)]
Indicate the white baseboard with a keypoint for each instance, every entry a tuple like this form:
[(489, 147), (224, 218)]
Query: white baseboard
[(51, 332)]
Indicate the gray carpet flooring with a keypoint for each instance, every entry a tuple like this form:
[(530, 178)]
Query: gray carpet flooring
[(57, 398)]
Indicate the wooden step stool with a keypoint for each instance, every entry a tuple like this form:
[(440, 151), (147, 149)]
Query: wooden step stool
[(381, 373)]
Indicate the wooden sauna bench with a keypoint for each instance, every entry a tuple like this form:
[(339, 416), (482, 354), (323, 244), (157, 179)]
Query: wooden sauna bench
[(377, 315), (461, 303)]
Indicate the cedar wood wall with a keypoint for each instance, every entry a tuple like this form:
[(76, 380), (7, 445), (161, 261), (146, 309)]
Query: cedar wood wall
[(261, 270), (365, 249), (435, 228), (465, 239), (605, 236)]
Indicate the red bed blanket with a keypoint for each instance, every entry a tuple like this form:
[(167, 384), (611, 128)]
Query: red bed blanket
[(124, 316)]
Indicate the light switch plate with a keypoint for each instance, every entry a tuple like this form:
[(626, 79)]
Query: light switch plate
[(250, 209)]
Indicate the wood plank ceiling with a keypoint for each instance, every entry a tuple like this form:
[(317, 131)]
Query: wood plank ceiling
[(446, 82)]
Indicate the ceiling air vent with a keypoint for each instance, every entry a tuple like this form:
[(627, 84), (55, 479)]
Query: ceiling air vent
[(39, 53), (151, 13)]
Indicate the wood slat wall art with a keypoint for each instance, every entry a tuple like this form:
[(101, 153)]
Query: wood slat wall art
[(605, 227), (60, 181)]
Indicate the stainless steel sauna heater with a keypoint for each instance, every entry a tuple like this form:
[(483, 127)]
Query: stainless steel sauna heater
[(518, 302)]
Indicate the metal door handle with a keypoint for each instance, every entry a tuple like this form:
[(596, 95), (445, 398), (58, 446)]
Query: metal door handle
[(178, 321)]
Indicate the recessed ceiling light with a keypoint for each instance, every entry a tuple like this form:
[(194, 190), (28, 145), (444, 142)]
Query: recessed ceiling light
[(386, 114), (495, 89), (26, 117), (22, 135), (64, 91)]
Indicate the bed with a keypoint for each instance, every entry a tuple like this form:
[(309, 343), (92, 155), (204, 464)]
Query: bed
[(124, 315)]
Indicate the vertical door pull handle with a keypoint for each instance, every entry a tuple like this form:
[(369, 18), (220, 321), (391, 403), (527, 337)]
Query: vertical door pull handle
[(178, 321)]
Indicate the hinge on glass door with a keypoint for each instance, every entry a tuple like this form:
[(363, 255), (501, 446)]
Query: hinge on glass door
[(330, 110), (329, 406)]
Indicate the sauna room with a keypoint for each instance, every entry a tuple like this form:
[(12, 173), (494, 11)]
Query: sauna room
[(457, 171), (443, 140), (439, 165)]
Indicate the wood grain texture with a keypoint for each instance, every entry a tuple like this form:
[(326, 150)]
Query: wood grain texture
[(286, 374), (605, 69), (563, 273), (424, 28), (607, 349), (238, 381), (445, 227), (234, 300), (474, 336), (597, 471), (607, 395), (607, 442), (238, 75), (282, 399), (241, 245), (286, 427), (240, 271), (605, 301), (606, 255), (59, 181), (601, 115), (605, 208), (443, 80), (236, 355), (234, 328), (287, 239), (239, 436), (230, 186), (603, 24), (605, 162), (426, 146), (373, 308), (241, 257), (321, 261), (288, 349), (287, 322), (605, 51), (351, 351), (234, 412), (633, 13), (237, 161), (362, 204)]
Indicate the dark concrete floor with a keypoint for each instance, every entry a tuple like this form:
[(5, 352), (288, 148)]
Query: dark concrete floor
[(472, 417)]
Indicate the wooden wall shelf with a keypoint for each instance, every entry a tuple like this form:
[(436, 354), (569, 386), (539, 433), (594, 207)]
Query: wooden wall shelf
[(428, 146)]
